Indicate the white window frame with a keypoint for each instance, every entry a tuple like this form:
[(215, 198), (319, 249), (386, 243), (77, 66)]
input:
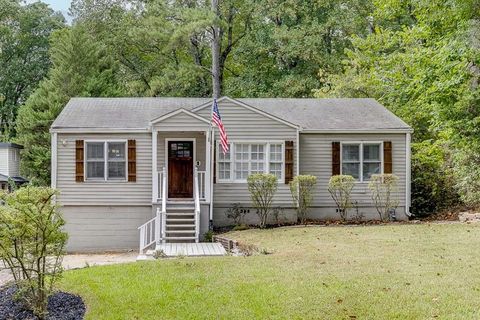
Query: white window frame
[(105, 160), (266, 163), (361, 143)]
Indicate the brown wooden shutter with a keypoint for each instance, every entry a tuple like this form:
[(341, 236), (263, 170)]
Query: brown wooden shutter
[(132, 161), (288, 161), (387, 157), (214, 162), (79, 161), (335, 158)]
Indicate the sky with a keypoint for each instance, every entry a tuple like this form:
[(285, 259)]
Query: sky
[(57, 5)]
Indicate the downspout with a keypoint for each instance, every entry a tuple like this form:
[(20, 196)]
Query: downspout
[(408, 174)]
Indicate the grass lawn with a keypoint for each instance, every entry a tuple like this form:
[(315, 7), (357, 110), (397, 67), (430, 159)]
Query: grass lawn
[(421, 271)]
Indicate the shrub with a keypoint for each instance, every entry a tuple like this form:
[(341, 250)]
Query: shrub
[(340, 188), (236, 212), (32, 243), (301, 188), (262, 188), (383, 188)]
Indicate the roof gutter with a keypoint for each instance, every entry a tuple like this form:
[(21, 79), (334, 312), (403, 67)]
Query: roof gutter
[(99, 130), (333, 131)]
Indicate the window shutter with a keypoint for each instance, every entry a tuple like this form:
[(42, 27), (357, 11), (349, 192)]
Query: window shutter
[(387, 157), (335, 158), (132, 161), (214, 162), (288, 161), (79, 161)]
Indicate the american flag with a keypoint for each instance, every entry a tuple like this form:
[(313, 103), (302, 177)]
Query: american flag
[(217, 119)]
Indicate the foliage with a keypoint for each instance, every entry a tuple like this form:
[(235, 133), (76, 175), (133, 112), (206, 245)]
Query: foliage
[(383, 188), (24, 45), (262, 188), (81, 67), (302, 188), (467, 174), (208, 237), (340, 188), (32, 243), (421, 60), (236, 212)]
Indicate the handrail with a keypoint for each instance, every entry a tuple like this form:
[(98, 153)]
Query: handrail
[(148, 234), (164, 203), (196, 198)]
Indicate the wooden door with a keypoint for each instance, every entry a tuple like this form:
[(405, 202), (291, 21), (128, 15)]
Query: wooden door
[(180, 169)]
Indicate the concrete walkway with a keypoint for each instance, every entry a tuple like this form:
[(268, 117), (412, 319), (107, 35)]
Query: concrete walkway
[(76, 261)]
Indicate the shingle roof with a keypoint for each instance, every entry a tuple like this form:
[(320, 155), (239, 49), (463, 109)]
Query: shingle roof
[(310, 114), (4, 145)]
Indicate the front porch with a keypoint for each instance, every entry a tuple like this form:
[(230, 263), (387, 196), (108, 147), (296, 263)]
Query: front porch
[(182, 166)]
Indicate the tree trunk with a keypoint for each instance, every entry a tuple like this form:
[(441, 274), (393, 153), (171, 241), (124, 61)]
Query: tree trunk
[(216, 85)]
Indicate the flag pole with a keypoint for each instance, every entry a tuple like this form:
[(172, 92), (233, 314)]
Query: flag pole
[(212, 160)]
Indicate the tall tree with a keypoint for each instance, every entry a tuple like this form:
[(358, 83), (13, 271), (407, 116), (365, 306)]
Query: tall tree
[(81, 67), (24, 61)]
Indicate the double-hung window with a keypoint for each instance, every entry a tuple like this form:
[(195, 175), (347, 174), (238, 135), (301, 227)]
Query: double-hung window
[(105, 160), (244, 159), (361, 160)]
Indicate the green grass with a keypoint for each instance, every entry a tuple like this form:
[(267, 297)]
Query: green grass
[(422, 271)]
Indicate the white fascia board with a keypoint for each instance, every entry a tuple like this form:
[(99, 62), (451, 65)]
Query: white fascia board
[(99, 130), (358, 131)]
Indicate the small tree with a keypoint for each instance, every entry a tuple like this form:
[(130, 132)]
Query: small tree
[(262, 188), (340, 188), (32, 243), (383, 188), (301, 188)]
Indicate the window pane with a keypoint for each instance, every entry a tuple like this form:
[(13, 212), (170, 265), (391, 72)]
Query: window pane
[(222, 156), (241, 152), (371, 168), (95, 169), (350, 152), (257, 152), (95, 150), (371, 152), (116, 170), (116, 150), (241, 171), (257, 167), (275, 152), (224, 171), (352, 169), (276, 169)]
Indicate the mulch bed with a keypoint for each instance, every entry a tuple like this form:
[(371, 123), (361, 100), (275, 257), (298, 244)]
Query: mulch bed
[(61, 306)]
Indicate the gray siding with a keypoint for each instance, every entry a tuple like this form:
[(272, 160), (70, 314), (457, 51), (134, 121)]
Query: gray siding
[(183, 121), (245, 125), (13, 162), (104, 193), (316, 159), (109, 228), (200, 146)]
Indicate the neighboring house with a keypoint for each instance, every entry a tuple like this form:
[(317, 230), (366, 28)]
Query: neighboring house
[(122, 163), (10, 165)]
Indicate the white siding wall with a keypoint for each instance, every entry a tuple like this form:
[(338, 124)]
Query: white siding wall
[(242, 124), (4, 161), (182, 122), (104, 193)]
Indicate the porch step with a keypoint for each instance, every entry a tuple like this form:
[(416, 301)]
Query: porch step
[(179, 238), (180, 219), (180, 208), (180, 213), (180, 231), (180, 225)]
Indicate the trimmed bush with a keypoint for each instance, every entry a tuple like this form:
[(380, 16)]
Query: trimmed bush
[(302, 188), (340, 188), (383, 188), (262, 188)]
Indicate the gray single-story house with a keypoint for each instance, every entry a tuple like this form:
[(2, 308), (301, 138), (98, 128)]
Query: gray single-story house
[(137, 171)]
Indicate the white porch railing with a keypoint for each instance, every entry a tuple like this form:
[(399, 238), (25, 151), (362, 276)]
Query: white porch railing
[(153, 231), (196, 198), (202, 183)]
